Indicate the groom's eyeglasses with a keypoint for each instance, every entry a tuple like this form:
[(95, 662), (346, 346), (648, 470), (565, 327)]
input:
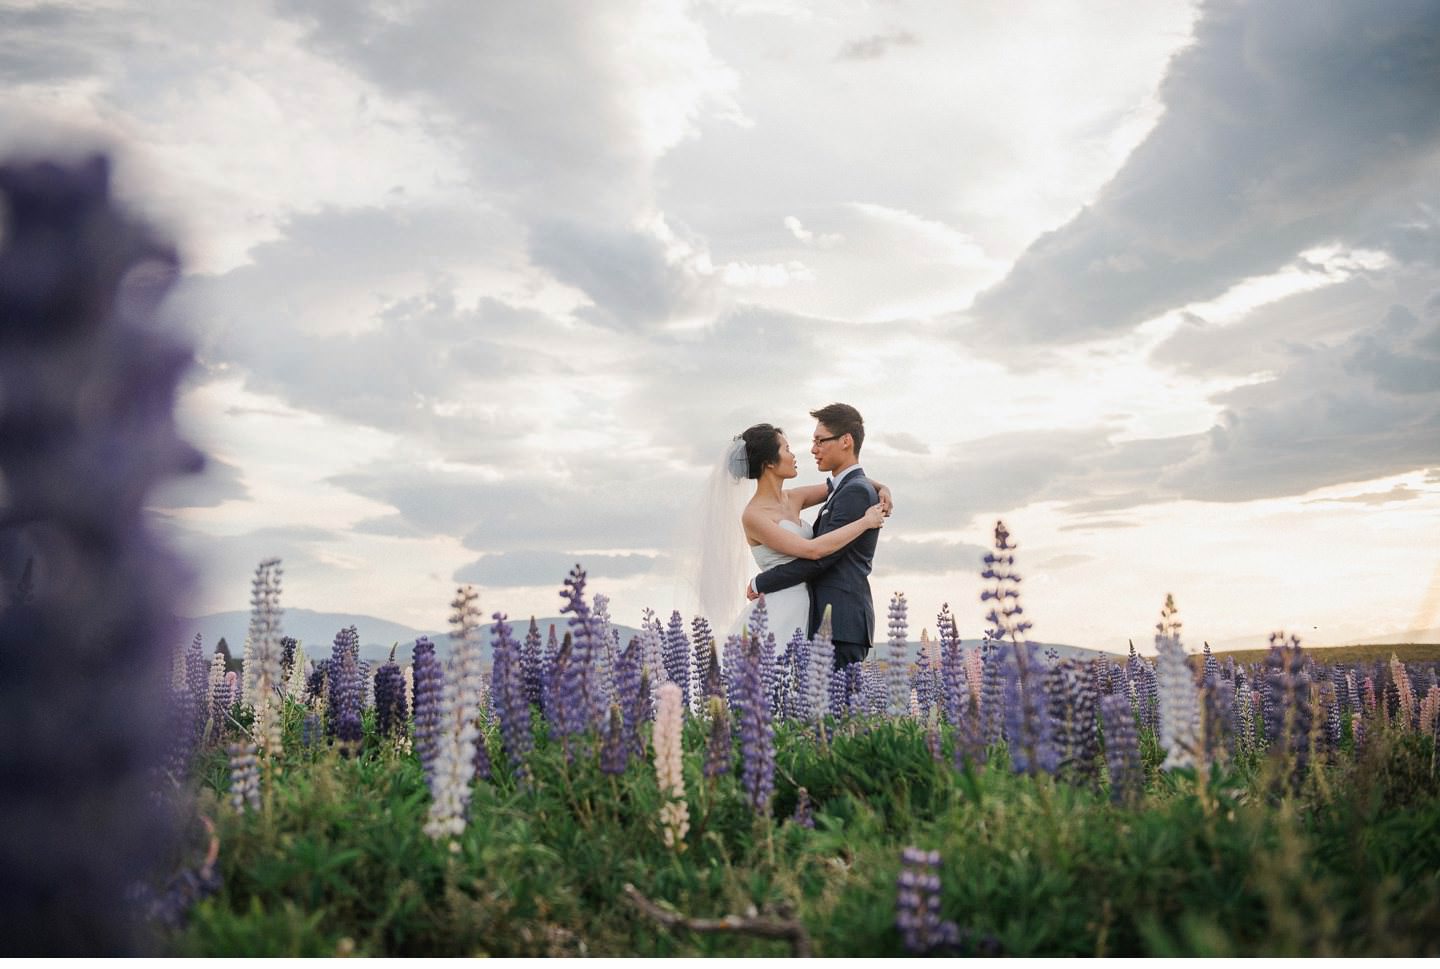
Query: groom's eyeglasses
[(817, 441)]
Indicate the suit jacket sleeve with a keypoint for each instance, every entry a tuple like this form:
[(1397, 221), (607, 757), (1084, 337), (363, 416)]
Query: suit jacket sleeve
[(847, 506)]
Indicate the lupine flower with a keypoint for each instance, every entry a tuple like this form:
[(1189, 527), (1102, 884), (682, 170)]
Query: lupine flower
[(317, 683), (917, 904), (952, 665), (512, 704), (583, 706), (797, 677), (481, 759), (533, 664), (1212, 668), (197, 680), (702, 641), (633, 695), (652, 642), (390, 712), (804, 815), (757, 733), (1122, 750), (1288, 717), (548, 680), (992, 693), (219, 695), (818, 680), (87, 387), (310, 730), (899, 693), (614, 750), (677, 656), (875, 686), (932, 737), (244, 778), (1179, 702), (232, 690), (1404, 692), (1028, 730), (1218, 703), (299, 674), (265, 676), (459, 726), (1149, 694), (719, 752), (342, 675), (604, 659), (367, 685), (1430, 712), (429, 692), (346, 713), (669, 776), (288, 645)]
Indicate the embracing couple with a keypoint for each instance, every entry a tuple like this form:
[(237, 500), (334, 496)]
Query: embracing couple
[(806, 569)]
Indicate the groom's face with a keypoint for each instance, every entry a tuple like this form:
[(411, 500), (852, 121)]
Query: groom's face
[(826, 448)]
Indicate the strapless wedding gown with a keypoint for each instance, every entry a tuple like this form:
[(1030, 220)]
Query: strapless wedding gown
[(787, 609)]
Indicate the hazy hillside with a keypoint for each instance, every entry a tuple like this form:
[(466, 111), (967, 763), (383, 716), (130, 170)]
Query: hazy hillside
[(316, 632)]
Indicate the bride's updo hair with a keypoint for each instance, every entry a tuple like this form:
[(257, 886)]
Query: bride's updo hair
[(762, 447)]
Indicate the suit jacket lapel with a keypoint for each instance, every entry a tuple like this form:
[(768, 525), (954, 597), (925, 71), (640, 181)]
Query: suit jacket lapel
[(857, 473)]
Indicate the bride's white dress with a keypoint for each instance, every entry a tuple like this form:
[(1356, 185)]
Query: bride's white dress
[(787, 609)]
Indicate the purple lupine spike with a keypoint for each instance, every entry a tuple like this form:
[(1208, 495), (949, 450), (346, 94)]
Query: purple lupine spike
[(702, 639), (719, 750), (348, 729), (1217, 703), (757, 732), (533, 664), (855, 689), (481, 758), (632, 695), (876, 687), (310, 730), (287, 655), (992, 694), (429, 689), (391, 714), (897, 676), (548, 680), (88, 378), (917, 905), (1028, 730), (511, 697), (677, 657), (730, 668), (1122, 750), (770, 674), (555, 696), (797, 676), (317, 683), (1288, 718), (585, 707), (1149, 697), (614, 750), (197, 679), (952, 666), (821, 674)]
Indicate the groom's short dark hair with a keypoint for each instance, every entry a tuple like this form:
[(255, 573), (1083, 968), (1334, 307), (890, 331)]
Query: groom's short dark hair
[(842, 419)]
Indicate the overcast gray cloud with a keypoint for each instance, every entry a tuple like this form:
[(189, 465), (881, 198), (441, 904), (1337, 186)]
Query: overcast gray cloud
[(1286, 125), (1396, 493), (531, 567)]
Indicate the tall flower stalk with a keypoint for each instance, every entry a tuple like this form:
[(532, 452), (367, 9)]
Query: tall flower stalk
[(669, 775), (1179, 701), (264, 670), (459, 724)]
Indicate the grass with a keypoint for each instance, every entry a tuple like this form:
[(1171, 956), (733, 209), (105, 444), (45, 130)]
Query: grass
[(336, 862)]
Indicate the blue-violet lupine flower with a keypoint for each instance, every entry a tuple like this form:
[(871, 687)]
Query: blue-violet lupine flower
[(88, 381), (917, 904), (757, 732), (511, 699), (1122, 749), (677, 656), (391, 714), (898, 700), (429, 689)]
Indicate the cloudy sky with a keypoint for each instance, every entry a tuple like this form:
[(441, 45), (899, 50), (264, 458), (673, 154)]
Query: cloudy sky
[(480, 290)]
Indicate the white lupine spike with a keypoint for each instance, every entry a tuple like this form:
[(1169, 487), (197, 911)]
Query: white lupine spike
[(1179, 699)]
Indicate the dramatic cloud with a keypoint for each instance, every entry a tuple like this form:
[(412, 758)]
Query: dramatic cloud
[(1286, 125)]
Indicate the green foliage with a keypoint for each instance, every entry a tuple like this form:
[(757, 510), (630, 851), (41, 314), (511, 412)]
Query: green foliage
[(1217, 863)]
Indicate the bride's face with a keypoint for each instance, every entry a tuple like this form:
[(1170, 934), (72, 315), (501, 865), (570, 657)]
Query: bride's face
[(786, 467)]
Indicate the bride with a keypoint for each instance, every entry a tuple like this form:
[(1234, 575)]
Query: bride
[(771, 523)]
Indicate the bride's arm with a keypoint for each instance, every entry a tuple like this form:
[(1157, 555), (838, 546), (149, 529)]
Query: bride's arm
[(769, 533)]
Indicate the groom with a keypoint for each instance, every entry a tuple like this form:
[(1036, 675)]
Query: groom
[(840, 580)]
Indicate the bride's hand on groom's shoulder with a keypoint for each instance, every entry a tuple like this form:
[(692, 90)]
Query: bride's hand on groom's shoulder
[(887, 504)]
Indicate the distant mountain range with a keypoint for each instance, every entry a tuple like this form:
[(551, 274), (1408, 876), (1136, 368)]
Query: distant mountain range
[(317, 630)]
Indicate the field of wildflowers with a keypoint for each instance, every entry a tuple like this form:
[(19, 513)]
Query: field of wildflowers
[(582, 796)]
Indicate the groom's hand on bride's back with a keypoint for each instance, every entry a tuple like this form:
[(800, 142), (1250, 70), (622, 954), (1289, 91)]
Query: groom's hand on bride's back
[(886, 504)]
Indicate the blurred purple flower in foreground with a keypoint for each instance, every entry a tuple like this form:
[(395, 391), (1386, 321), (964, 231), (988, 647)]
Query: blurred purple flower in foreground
[(87, 393)]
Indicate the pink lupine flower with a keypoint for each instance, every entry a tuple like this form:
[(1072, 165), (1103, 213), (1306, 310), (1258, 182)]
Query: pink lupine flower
[(674, 815)]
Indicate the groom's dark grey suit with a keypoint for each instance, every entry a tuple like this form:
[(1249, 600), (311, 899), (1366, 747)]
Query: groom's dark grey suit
[(840, 580)]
